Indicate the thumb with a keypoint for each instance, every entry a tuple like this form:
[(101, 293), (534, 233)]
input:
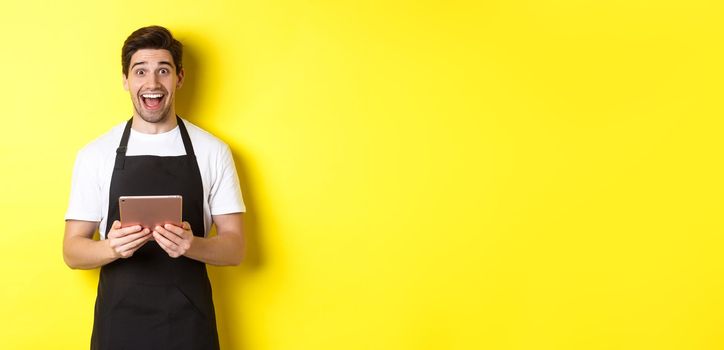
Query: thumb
[(186, 225), (116, 224)]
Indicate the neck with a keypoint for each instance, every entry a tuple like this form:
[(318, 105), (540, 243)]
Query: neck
[(164, 125)]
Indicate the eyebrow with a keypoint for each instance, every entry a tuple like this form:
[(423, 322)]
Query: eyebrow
[(159, 63)]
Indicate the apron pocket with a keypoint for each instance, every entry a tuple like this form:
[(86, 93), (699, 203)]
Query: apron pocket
[(140, 319), (148, 317), (190, 328)]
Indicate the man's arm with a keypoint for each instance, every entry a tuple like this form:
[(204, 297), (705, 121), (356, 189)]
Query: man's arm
[(81, 251), (226, 248)]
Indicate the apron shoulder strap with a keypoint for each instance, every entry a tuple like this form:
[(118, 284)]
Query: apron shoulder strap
[(185, 137), (121, 150)]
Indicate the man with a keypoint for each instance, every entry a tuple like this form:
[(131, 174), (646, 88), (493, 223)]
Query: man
[(153, 291)]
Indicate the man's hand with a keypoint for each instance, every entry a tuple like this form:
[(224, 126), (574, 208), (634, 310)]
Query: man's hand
[(125, 241), (176, 241)]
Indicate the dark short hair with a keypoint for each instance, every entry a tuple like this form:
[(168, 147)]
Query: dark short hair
[(152, 37)]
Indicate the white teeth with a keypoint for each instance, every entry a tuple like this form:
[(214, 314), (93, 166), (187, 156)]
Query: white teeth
[(152, 95)]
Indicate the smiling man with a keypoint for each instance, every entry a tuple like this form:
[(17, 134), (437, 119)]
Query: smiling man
[(154, 292)]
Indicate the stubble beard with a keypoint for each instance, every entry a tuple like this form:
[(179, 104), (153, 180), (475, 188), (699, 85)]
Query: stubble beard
[(152, 117)]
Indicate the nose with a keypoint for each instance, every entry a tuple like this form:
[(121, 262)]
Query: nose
[(153, 80)]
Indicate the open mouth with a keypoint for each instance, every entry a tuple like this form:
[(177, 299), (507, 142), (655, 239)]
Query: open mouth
[(152, 101)]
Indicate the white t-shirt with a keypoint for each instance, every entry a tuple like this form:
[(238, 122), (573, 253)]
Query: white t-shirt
[(95, 162)]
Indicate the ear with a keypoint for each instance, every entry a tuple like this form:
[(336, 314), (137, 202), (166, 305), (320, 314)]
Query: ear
[(181, 73), (125, 82)]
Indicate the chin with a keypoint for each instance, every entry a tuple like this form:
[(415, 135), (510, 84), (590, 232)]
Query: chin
[(153, 118)]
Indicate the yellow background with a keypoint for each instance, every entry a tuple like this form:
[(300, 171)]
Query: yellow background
[(418, 174)]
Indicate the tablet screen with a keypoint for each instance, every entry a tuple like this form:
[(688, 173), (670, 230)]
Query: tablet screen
[(150, 211)]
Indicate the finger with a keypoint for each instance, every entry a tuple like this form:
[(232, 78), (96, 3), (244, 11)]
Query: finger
[(126, 250), (120, 232), (169, 235), (129, 253), (131, 247), (119, 241), (131, 229), (164, 243), (178, 231), (115, 226)]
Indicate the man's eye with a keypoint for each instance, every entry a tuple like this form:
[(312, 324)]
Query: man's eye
[(163, 71), (139, 72)]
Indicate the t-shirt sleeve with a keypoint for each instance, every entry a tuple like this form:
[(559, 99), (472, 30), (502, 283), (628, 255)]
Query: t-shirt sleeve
[(225, 194), (85, 194)]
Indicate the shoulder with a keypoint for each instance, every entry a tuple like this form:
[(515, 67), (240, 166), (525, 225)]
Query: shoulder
[(104, 145), (204, 142)]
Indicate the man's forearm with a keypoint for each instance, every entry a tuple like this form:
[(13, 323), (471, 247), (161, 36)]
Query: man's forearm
[(86, 253), (221, 250)]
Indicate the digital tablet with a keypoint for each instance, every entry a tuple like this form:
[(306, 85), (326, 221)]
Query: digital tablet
[(150, 211)]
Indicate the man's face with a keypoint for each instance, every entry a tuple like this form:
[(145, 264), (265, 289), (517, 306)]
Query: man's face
[(152, 82)]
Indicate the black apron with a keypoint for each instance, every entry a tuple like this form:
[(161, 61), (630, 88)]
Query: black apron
[(150, 300)]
